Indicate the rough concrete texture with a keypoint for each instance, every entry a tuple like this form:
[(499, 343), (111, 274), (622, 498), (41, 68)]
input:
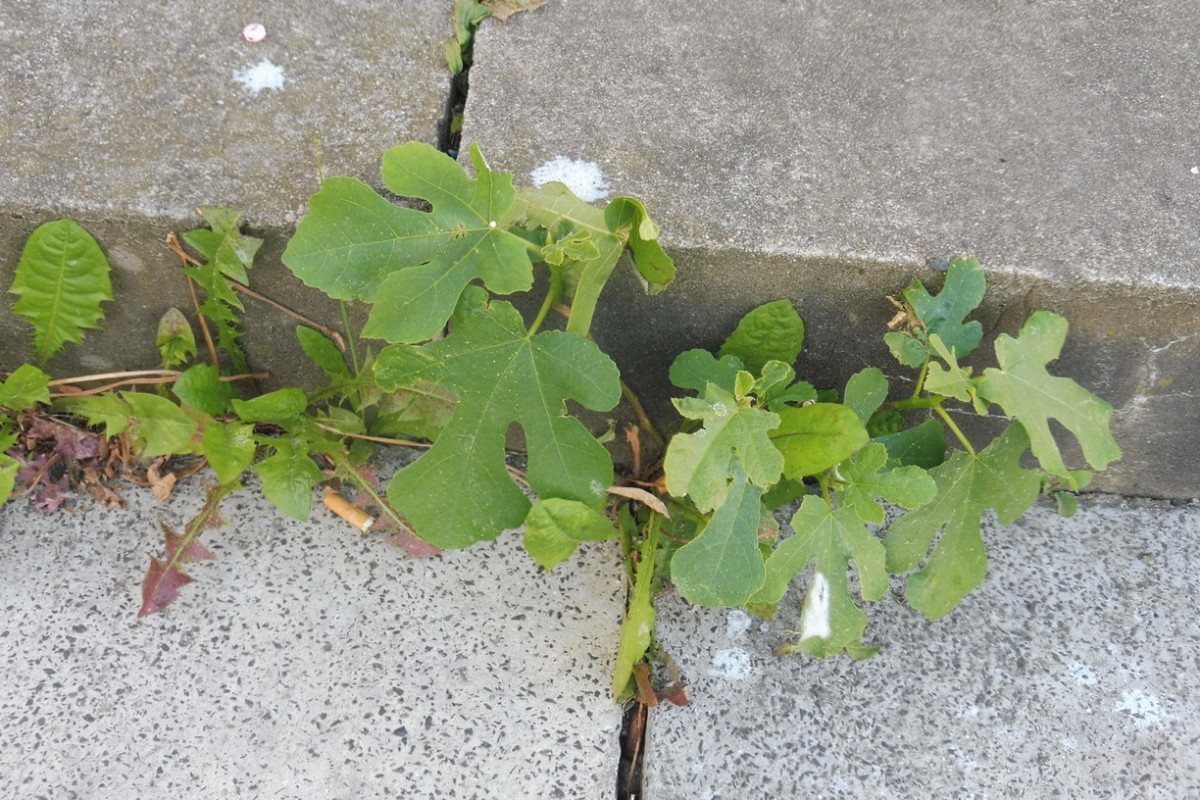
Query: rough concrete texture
[(832, 152), (1068, 674), (306, 662), (127, 116)]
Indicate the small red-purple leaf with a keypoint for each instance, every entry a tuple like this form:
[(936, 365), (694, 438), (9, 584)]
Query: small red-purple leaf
[(161, 586), (52, 495), (413, 545), (191, 551)]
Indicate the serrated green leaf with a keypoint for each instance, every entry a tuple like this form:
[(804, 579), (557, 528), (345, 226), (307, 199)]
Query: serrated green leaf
[(413, 265), (865, 392), (771, 332), (26, 386), (200, 386), (324, 353), (815, 437), (225, 247), (99, 409), (288, 477), (162, 428), (695, 369), (282, 407), (863, 478), (555, 527), (230, 448), (1031, 395), (830, 621), (459, 492), (700, 465), (775, 388), (175, 340), (967, 486), (62, 278), (923, 446), (722, 566)]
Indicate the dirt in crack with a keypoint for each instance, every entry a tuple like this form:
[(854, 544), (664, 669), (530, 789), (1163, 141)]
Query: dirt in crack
[(468, 15), (633, 744)]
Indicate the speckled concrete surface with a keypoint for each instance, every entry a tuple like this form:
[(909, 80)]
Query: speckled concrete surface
[(1071, 673), (307, 662)]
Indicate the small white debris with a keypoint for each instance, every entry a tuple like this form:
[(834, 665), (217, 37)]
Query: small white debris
[(1142, 708), (254, 33), (584, 178), (1196, 170), (492, 224), (263, 75), (814, 621), (737, 623), (734, 664)]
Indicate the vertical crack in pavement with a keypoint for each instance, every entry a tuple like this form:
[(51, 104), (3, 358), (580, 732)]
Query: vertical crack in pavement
[(632, 740)]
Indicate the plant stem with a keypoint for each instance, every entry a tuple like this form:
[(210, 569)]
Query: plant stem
[(349, 336), (556, 287), (921, 378), (941, 412), (380, 439), (640, 412), (347, 471)]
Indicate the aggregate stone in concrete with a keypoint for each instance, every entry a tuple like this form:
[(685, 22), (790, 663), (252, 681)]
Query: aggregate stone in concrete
[(306, 662), (833, 152), (128, 116), (1069, 674)]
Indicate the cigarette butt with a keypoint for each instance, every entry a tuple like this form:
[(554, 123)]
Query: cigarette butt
[(352, 514)]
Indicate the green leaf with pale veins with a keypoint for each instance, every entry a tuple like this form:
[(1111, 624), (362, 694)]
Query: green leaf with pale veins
[(413, 265), (943, 314), (200, 386), (162, 427), (952, 380), (830, 621), (816, 437), (288, 477), (863, 478), (27, 386), (229, 448), (324, 353), (723, 566), (865, 392), (99, 409), (695, 369), (62, 278), (700, 465), (771, 332), (459, 492), (1030, 394), (225, 247), (555, 527), (967, 486)]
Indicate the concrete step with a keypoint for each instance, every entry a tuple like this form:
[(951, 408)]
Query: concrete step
[(1066, 674), (832, 153), (307, 661), (128, 116)]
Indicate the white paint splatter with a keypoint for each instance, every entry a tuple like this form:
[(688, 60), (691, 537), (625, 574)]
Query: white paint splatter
[(814, 621), (734, 664), (263, 75), (1196, 170), (737, 623), (1069, 743), (584, 178), (1142, 708), (1083, 674)]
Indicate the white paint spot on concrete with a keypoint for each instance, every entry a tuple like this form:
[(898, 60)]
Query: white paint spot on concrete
[(737, 623), (734, 664), (1196, 170), (1142, 708), (1069, 743), (584, 178), (263, 75), (1083, 674), (815, 619)]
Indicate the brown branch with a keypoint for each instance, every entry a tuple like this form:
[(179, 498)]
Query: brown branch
[(173, 243)]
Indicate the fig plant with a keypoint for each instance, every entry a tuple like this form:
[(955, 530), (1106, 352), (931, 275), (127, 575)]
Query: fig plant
[(443, 359)]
